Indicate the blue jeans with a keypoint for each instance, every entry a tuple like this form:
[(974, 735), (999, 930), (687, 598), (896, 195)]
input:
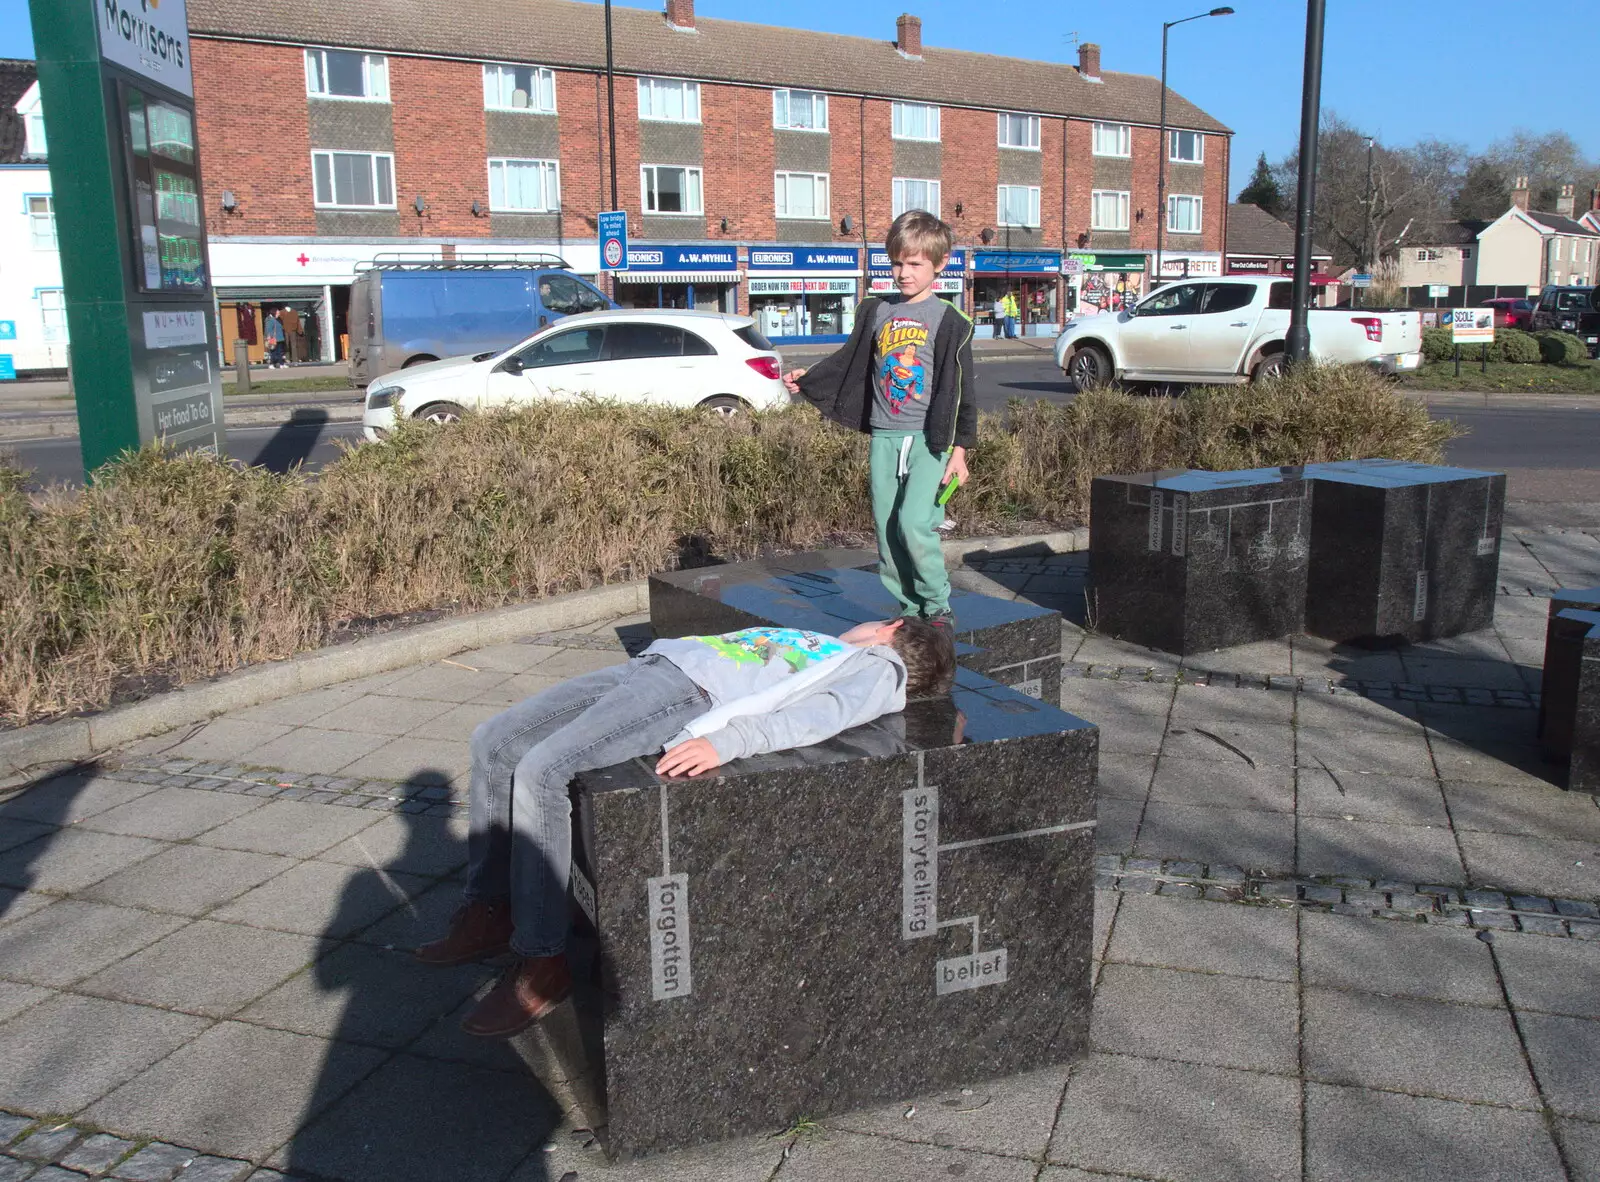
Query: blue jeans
[(1011, 328), (519, 840)]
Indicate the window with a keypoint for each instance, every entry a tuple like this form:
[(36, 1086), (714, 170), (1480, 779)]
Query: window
[(33, 129), (1228, 297), (53, 313), (572, 347), (670, 189), (1558, 250), (337, 73), (1281, 298), (1466, 252), (1181, 299), (1183, 214), (565, 296), (915, 121), (800, 110), (353, 180), (913, 194), (1113, 139), (1019, 131), (1108, 210), (42, 222), (669, 100), (1186, 147), (801, 194), (1427, 255), (524, 186), (632, 342), (1018, 205), (519, 88)]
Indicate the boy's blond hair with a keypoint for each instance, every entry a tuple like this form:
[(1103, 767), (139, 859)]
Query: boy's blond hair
[(919, 231)]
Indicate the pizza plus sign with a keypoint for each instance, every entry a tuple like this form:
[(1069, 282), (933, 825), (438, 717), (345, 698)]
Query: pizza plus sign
[(302, 260)]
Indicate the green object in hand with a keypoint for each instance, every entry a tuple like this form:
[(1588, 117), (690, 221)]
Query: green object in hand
[(949, 490)]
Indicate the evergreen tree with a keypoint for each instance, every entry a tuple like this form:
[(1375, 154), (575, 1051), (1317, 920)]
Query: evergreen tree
[(1485, 193), (1263, 191)]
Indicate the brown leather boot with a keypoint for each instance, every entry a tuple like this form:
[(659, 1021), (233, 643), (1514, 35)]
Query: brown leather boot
[(479, 928), (528, 991)]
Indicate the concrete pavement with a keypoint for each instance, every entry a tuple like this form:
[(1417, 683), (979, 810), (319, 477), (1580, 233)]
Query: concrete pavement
[(1346, 928)]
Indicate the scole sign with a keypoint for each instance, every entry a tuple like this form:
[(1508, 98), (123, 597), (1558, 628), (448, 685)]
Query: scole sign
[(149, 37)]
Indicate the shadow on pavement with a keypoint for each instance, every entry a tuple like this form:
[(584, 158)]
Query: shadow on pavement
[(30, 821), (292, 444)]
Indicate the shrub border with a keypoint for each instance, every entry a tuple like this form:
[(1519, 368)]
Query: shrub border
[(33, 752)]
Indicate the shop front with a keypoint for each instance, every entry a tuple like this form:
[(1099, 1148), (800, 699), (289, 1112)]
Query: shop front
[(951, 284), (1033, 277), (703, 277), (804, 293), (1188, 264), (1102, 282)]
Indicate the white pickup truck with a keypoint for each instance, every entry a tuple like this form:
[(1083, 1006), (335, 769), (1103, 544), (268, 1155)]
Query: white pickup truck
[(1228, 330)]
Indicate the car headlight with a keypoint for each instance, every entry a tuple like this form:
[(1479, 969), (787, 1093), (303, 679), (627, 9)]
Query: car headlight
[(383, 397)]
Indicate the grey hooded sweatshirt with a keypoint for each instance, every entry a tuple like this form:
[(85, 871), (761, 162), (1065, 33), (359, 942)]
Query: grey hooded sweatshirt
[(772, 689)]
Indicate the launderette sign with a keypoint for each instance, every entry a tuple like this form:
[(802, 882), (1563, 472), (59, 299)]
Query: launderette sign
[(149, 37)]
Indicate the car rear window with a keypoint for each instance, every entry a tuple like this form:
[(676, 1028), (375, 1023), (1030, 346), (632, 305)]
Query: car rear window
[(751, 336), (1281, 297)]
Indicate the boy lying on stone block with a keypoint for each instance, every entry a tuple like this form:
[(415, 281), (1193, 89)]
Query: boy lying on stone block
[(706, 700)]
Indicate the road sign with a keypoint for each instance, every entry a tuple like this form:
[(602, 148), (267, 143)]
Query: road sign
[(614, 240), (1472, 326), (1362, 280), (8, 368), (8, 330), (1438, 291)]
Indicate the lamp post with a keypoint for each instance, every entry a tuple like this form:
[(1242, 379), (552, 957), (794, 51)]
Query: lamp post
[(1161, 158), (1297, 343)]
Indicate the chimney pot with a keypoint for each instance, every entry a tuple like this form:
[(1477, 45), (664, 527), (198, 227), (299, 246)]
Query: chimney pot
[(1519, 193), (680, 14), (1594, 198), (1089, 60), (1567, 203), (908, 34)]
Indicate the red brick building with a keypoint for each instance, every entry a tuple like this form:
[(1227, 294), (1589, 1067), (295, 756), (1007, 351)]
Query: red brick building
[(760, 166)]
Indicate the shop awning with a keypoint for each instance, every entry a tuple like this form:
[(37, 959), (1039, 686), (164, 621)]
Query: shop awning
[(229, 295), (677, 276)]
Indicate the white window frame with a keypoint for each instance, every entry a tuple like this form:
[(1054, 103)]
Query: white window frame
[(1004, 194), (1121, 133), (1124, 201), (1006, 121), (550, 183), (898, 117), (781, 182), (1173, 202), (52, 305), (1558, 250), (373, 157), (539, 77), (1427, 254), (783, 101), (45, 219), (693, 184), (374, 76), (1466, 252), (649, 85), (1199, 156), (900, 202)]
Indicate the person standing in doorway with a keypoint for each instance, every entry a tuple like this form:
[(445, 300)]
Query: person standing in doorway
[(1013, 310), (998, 314), (273, 338)]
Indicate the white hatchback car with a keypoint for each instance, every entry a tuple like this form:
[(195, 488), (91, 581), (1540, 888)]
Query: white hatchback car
[(661, 358)]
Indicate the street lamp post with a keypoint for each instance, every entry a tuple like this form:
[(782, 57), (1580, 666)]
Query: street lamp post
[(1161, 158), (1297, 344)]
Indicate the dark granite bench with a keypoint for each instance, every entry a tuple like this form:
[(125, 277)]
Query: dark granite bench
[(905, 907), (1569, 701)]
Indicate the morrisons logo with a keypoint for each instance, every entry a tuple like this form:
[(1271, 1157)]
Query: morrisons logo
[(137, 29)]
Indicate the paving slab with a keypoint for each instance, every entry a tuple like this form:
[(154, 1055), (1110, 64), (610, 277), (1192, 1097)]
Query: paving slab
[(1414, 960), (1383, 753), (1156, 1119), (1460, 671), (156, 1162), (447, 1041), (1385, 1137), (1564, 1053), (475, 1125), (458, 722), (44, 1144), (1223, 784), (187, 879), (1580, 1140), (1012, 1116), (1484, 761), (16, 997), (1471, 723), (15, 832), (290, 828), (435, 761), (514, 689), (1534, 865), (68, 799), (69, 940), (1126, 777), (171, 814), (1238, 837), (15, 904), (1404, 800), (1351, 712), (1196, 1017), (433, 846), (507, 658), (1106, 904), (227, 739), (313, 750), (71, 859), (1556, 976), (97, 1154), (1347, 661), (1116, 823), (239, 1090), (1205, 937), (323, 898), (302, 709), (1199, 704), (836, 1156), (381, 714), (106, 1042), (206, 968), (1371, 849), (569, 662), (426, 919), (748, 1159), (1131, 734), (1411, 1045), (1098, 700), (1221, 742), (447, 683), (1536, 810)]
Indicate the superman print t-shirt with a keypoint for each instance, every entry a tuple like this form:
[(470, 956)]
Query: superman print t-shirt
[(902, 362)]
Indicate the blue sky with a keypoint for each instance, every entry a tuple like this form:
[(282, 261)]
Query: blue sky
[(1469, 71)]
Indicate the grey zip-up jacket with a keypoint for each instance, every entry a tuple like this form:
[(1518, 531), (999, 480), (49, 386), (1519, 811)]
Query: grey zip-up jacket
[(803, 708)]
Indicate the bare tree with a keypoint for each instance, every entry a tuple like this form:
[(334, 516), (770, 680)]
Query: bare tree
[(1548, 161)]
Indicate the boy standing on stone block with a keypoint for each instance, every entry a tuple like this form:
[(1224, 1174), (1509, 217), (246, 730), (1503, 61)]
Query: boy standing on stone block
[(902, 378), (707, 700)]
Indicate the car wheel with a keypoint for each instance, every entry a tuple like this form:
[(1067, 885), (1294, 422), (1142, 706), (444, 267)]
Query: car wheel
[(725, 405), (1271, 366), (1090, 367), (419, 359), (440, 412)]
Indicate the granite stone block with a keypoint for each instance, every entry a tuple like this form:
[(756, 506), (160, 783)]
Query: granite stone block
[(1402, 551), (1569, 702), (1187, 561)]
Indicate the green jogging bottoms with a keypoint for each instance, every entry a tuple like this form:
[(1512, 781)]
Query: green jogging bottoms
[(905, 479)]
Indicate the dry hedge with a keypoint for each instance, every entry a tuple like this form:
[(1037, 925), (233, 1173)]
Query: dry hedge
[(176, 567)]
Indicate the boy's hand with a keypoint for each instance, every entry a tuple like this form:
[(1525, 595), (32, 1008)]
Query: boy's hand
[(689, 759), (791, 380), (957, 465)]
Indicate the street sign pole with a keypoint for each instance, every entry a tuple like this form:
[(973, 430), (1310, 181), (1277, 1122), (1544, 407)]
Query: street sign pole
[(125, 175)]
